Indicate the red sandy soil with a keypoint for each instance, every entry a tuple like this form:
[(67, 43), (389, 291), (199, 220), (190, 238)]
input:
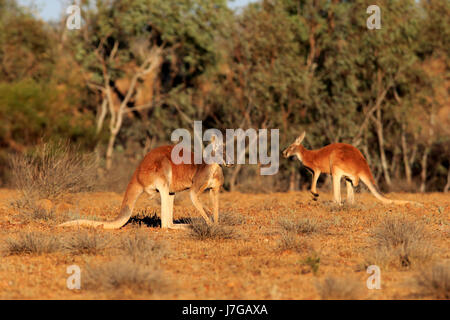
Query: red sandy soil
[(249, 266)]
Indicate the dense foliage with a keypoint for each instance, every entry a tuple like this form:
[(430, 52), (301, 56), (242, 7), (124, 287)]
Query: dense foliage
[(138, 69)]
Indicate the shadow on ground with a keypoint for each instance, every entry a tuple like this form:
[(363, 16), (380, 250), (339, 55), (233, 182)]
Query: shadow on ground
[(154, 221)]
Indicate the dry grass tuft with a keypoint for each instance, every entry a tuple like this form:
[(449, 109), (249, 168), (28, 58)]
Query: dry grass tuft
[(53, 170), (231, 219), (301, 226), (31, 243), (333, 207), (123, 273), (435, 282), (200, 230), (140, 249), (333, 288), (137, 268), (86, 242), (290, 241), (31, 211), (400, 242)]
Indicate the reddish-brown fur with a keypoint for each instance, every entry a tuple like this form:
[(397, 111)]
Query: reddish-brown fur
[(346, 156), (339, 160), (158, 173)]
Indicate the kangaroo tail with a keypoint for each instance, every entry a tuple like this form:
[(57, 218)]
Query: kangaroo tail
[(370, 183), (134, 190)]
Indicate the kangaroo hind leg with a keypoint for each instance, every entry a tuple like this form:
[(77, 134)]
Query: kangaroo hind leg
[(214, 194), (316, 175), (337, 187), (350, 193), (167, 200), (195, 192)]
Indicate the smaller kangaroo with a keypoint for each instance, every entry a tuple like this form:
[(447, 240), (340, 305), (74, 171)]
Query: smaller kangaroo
[(158, 174), (339, 160)]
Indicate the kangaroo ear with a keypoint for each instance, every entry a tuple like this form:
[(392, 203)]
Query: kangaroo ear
[(300, 138)]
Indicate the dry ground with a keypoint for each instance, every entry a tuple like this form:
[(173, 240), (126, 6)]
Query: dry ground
[(261, 260)]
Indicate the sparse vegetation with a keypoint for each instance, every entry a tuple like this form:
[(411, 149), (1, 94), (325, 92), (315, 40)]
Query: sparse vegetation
[(124, 273), (52, 170), (268, 262), (33, 213), (202, 231), (86, 242), (140, 249), (290, 241), (301, 226), (313, 261), (333, 288), (231, 219), (31, 243), (435, 281), (400, 242), (137, 268)]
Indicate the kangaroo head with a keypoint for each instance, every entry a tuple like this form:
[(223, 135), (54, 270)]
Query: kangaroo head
[(294, 148)]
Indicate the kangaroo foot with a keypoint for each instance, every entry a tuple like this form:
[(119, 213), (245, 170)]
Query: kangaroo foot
[(179, 226), (316, 195)]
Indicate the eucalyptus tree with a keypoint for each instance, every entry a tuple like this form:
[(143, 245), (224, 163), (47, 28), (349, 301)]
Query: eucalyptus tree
[(136, 53)]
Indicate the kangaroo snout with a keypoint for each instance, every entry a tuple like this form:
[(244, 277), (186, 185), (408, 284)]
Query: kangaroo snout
[(286, 153)]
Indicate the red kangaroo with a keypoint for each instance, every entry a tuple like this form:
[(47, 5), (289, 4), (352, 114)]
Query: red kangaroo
[(339, 160), (157, 173)]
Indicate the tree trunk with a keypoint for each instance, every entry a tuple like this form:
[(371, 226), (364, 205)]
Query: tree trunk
[(233, 177), (293, 180), (406, 162), (384, 165), (110, 150), (395, 163), (423, 173), (447, 186), (102, 115), (150, 65)]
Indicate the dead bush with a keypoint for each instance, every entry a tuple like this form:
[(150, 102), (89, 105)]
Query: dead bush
[(333, 288), (290, 241), (300, 226), (31, 211), (140, 249), (231, 219), (51, 171), (400, 242), (434, 282), (86, 242), (31, 243), (202, 231), (123, 273)]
